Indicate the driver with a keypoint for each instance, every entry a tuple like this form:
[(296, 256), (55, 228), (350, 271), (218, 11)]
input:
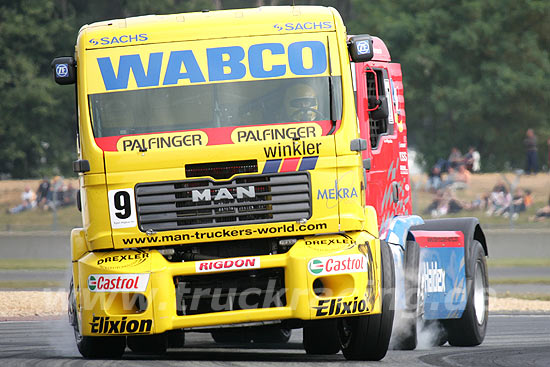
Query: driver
[(301, 103)]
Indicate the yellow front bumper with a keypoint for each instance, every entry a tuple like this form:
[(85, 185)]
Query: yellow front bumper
[(134, 291)]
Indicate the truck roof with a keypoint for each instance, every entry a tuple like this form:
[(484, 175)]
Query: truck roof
[(210, 24)]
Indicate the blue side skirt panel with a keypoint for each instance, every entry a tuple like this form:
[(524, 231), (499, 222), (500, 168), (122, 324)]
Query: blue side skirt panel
[(442, 282), (396, 236)]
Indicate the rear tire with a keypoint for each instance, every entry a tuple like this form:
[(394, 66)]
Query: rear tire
[(271, 334), (367, 337), (231, 336), (470, 329), (407, 338), (321, 337)]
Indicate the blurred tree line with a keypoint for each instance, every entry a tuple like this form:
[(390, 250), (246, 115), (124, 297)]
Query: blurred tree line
[(476, 72)]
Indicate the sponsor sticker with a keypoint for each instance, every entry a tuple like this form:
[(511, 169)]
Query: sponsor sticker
[(118, 282), (433, 277), (286, 131), (303, 26), (363, 47), (122, 208), (330, 244), (338, 264), (117, 260), (339, 306), (62, 70), (337, 193), (162, 141), (227, 264), (209, 60), (106, 325)]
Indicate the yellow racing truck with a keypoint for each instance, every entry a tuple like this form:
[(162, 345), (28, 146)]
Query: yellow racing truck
[(225, 185)]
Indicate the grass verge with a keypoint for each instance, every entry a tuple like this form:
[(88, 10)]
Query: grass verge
[(526, 296), (33, 264), (545, 281), (520, 262), (30, 284)]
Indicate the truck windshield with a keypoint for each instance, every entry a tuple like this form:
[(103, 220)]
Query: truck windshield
[(211, 106)]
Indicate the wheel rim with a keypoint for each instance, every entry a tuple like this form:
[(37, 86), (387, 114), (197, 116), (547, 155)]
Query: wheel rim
[(345, 331), (479, 294)]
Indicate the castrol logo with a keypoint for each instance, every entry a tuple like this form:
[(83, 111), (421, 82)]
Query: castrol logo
[(227, 264), (118, 282), (337, 264)]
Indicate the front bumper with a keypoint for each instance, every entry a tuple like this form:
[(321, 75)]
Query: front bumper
[(140, 292)]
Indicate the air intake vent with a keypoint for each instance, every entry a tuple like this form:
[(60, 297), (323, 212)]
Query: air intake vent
[(202, 203), (221, 170)]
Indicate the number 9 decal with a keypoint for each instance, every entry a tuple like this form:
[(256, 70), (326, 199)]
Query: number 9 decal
[(122, 208)]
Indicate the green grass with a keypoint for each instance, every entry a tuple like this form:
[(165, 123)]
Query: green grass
[(33, 264), (545, 281), (64, 219), (519, 262), (26, 284), (526, 296)]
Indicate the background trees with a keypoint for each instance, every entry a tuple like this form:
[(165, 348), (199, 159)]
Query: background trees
[(477, 72)]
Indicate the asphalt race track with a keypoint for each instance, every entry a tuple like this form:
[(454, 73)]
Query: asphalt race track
[(512, 340)]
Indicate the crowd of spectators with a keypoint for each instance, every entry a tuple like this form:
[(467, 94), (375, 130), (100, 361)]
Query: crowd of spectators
[(543, 213), (49, 195), (455, 171)]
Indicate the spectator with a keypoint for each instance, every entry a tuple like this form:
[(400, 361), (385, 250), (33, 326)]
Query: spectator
[(457, 179), (42, 193), (28, 201), (543, 213), (434, 179), (450, 179), (69, 195), (520, 202), (444, 203), (455, 158), (499, 200), (548, 142), (530, 142), (472, 160), (437, 207), (56, 190), (462, 178)]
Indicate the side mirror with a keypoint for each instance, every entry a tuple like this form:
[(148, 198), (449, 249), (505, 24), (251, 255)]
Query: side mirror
[(382, 111), (361, 48), (64, 70)]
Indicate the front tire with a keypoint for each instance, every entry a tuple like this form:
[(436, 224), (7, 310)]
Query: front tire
[(470, 329), (93, 347), (321, 337), (148, 344), (367, 337)]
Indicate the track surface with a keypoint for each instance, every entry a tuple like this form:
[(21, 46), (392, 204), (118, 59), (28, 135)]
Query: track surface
[(512, 340)]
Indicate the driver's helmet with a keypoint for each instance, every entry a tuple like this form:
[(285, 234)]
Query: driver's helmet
[(301, 103)]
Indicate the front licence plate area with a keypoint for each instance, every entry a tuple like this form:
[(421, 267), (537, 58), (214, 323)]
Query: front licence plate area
[(240, 290)]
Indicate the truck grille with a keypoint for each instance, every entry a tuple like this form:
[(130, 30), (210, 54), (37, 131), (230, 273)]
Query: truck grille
[(203, 203), (241, 290)]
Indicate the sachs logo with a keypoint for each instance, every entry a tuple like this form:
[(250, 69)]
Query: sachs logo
[(223, 194), (337, 264)]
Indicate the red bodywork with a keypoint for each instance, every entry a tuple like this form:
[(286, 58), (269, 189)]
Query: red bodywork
[(388, 176)]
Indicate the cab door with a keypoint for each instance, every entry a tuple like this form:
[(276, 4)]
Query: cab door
[(377, 114)]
